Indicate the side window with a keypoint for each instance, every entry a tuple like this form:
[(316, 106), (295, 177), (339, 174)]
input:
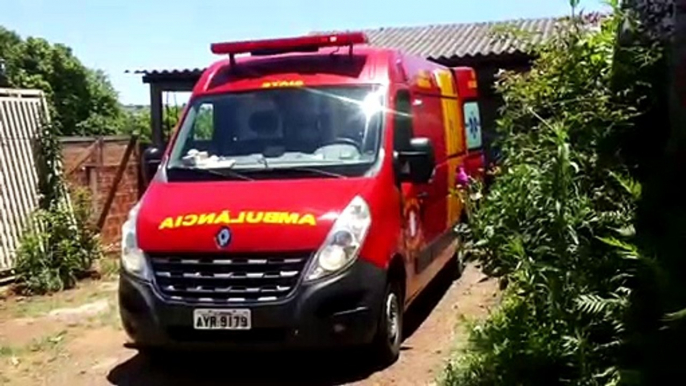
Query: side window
[(204, 123), (200, 134), (402, 120), (472, 125)]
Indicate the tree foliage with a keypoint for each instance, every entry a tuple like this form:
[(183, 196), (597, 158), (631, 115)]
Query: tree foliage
[(557, 225), (137, 121), (82, 100)]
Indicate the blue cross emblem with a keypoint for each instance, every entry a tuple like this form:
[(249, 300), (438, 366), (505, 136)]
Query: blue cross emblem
[(473, 124)]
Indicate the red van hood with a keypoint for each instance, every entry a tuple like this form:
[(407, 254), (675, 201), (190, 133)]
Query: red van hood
[(285, 215)]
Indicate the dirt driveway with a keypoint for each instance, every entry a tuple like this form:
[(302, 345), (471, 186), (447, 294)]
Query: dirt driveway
[(74, 338)]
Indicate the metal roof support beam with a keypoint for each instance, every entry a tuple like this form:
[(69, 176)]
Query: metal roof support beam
[(157, 107), (180, 85), (156, 115)]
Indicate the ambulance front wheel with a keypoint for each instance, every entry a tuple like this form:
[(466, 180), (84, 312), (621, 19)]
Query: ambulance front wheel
[(386, 345), (456, 264)]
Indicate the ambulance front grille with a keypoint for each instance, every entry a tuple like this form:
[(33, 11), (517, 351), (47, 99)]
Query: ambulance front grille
[(228, 278)]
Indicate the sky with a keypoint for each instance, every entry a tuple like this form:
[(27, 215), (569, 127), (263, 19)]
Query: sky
[(120, 35)]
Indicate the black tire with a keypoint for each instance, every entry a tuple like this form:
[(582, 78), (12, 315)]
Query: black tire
[(456, 264), (389, 336)]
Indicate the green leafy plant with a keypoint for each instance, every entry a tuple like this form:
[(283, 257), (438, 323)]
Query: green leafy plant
[(556, 225), (48, 153), (60, 243)]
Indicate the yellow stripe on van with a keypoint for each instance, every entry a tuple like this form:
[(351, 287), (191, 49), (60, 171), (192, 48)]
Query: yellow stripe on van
[(453, 123), (454, 201)]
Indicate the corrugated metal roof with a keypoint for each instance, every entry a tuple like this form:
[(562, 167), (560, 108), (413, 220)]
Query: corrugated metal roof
[(173, 72), (439, 41), (460, 40)]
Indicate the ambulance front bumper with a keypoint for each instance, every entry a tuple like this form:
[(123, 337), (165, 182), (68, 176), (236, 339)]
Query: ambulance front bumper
[(343, 310)]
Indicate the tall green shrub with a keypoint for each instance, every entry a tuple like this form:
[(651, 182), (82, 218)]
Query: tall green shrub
[(657, 327), (60, 242), (557, 225)]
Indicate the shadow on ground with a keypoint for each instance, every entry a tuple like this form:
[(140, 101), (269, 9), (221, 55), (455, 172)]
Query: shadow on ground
[(302, 369)]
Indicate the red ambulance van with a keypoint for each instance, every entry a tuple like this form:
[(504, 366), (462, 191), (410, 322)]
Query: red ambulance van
[(303, 201)]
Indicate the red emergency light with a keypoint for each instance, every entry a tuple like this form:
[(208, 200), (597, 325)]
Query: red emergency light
[(293, 44)]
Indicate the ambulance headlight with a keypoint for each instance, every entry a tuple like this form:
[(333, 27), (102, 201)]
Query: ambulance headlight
[(342, 245), (132, 258)]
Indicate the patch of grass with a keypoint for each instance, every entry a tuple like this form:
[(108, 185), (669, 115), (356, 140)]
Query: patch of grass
[(48, 343), (6, 351), (111, 318), (31, 307), (108, 267)]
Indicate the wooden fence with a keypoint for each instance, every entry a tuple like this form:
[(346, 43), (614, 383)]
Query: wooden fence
[(108, 168), (21, 113)]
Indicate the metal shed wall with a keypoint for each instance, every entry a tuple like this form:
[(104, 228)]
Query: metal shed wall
[(21, 114)]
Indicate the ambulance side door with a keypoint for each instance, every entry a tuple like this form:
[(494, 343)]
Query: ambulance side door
[(412, 202)]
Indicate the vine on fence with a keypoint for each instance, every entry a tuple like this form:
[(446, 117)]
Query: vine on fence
[(60, 243)]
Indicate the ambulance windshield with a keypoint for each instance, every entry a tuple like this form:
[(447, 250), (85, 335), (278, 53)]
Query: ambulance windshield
[(281, 128)]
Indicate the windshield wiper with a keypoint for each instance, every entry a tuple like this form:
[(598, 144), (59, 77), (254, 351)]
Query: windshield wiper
[(319, 171), (299, 169), (221, 172), (263, 161), (268, 168)]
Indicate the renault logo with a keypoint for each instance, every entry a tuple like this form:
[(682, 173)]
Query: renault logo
[(223, 237)]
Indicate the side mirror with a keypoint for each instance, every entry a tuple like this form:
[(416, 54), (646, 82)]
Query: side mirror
[(150, 162), (417, 163)]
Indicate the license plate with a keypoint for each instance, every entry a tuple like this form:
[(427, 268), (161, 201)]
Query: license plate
[(222, 319)]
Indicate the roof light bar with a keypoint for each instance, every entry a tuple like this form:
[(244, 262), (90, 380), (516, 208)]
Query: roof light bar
[(268, 46)]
